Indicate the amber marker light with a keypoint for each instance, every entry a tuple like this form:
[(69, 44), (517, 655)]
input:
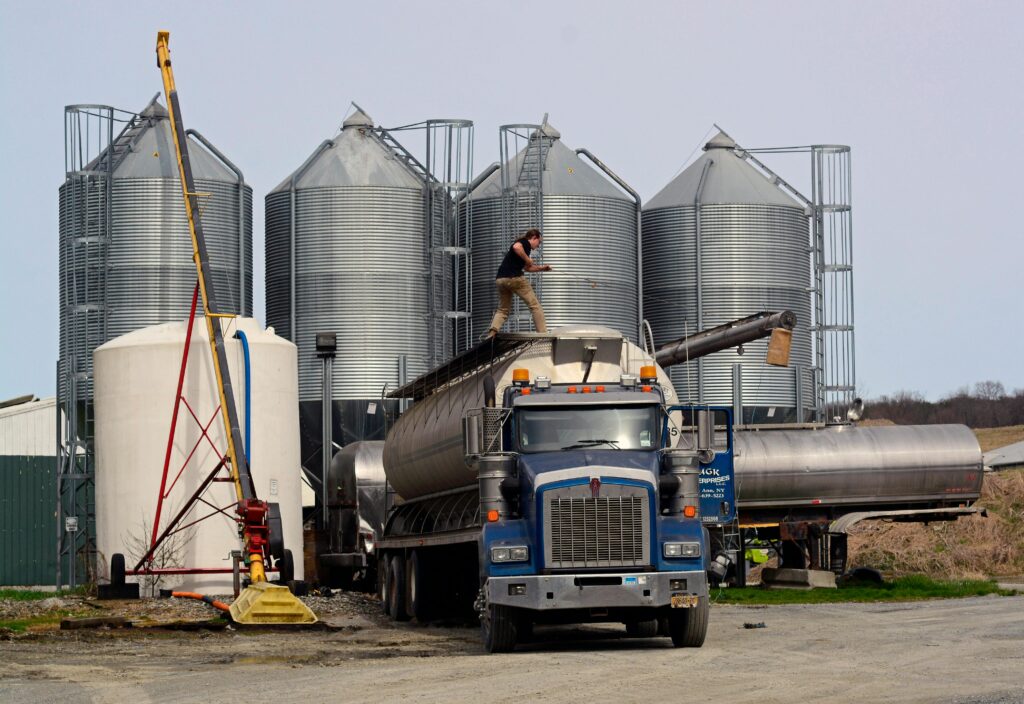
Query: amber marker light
[(689, 511), (526, 391), (492, 516), (599, 389), (586, 389), (646, 388), (571, 389)]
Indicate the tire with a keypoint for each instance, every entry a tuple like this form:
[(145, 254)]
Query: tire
[(642, 629), (499, 629), (420, 598), (275, 530), (397, 589), (688, 627), (117, 569), (286, 568), (384, 585)]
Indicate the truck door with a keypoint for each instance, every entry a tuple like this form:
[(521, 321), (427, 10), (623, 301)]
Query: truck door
[(717, 478)]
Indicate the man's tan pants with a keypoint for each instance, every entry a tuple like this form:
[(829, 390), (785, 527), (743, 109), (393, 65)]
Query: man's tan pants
[(522, 288)]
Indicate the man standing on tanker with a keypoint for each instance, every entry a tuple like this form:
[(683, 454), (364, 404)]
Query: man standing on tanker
[(510, 280)]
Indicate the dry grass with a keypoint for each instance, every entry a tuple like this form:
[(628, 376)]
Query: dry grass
[(969, 548), (991, 438), (870, 422)]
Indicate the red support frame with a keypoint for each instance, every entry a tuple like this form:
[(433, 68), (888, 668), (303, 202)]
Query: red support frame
[(144, 565)]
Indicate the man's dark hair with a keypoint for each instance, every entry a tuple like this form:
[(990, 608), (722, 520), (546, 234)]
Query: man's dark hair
[(532, 232)]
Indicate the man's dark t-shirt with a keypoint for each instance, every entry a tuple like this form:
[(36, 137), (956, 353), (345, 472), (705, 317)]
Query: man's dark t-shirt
[(512, 265)]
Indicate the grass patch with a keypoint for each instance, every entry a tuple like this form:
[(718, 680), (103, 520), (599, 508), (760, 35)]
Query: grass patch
[(30, 595), (43, 621), (909, 588)]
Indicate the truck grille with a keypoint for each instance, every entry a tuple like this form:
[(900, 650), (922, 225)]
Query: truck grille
[(608, 531)]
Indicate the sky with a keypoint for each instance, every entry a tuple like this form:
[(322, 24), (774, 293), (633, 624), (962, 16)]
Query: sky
[(929, 95)]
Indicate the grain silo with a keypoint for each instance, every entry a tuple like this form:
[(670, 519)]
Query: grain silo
[(720, 242), (125, 250), (126, 263), (590, 234), (346, 254)]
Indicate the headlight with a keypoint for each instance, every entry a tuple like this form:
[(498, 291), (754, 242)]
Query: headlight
[(516, 553), (680, 549)]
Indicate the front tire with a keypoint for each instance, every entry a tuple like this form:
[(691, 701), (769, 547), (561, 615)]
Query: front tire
[(499, 629), (688, 627)]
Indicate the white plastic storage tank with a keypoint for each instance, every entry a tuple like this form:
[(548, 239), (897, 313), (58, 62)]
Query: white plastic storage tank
[(135, 383)]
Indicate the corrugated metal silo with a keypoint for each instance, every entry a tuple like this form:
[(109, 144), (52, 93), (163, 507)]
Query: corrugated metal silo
[(721, 242), (346, 254), (590, 239), (125, 250)]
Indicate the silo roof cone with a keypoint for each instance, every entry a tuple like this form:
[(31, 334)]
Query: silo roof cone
[(357, 119)]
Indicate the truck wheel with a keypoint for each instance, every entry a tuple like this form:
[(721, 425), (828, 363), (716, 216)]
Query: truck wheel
[(688, 627), (420, 597), (396, 589), (117, 569), (642, 629), (499, 629), (384, 585)]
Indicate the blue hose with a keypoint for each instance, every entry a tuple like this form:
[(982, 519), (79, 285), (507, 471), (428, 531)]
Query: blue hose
[(248, 396)]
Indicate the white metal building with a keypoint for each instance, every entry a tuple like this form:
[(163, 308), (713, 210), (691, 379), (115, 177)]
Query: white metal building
[(29, 427)]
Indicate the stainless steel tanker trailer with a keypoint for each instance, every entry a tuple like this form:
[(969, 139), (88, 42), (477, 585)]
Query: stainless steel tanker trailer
[(802, 489), (536, 485)]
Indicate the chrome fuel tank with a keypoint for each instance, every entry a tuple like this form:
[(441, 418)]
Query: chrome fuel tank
[(849, 465)]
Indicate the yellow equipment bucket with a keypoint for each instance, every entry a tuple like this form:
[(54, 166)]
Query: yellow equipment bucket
[(264, 603)]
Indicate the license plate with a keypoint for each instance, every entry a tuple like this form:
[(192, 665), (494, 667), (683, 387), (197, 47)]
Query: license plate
[(683, 601)]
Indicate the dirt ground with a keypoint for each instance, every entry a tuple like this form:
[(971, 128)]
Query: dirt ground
[(966, 651)]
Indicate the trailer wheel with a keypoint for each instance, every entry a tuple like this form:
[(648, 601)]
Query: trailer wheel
[(420, 598), (688, 627), (396, 589), (499, 629), (117, 570), (383, 585), (642, 629)]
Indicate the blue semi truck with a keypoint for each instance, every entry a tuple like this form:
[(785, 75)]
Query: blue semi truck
[(555, 479)]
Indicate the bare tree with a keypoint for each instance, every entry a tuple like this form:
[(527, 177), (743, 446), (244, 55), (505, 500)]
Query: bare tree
[(169, 554)]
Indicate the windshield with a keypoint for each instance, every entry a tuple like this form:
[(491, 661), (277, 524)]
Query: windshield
[(576, 427)]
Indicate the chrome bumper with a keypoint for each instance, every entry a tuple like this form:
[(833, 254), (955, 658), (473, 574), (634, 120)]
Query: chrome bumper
[(592, 591)]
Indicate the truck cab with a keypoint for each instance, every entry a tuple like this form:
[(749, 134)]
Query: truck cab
[(587, 513)]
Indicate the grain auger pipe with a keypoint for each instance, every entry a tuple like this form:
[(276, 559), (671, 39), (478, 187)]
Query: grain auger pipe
[(736, 333), (261, 602)]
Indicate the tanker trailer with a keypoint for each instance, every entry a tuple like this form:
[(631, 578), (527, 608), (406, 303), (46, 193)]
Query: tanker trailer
[(537, 486), (356, 506), (801, 490)]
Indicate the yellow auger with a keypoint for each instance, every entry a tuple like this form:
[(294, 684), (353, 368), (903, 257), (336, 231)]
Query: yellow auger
[(262, 602)]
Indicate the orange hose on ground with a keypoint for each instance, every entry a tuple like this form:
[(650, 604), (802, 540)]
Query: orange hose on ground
[(202, 597)]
